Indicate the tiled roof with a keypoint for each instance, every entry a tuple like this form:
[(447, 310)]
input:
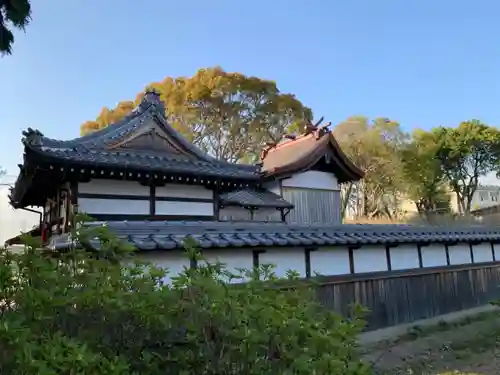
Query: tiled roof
[(152, 235), (302, 153), (152, 161), (254, 198), (113, 147)]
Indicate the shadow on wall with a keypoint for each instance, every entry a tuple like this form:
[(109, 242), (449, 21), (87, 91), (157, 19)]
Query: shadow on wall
[(13, 222)]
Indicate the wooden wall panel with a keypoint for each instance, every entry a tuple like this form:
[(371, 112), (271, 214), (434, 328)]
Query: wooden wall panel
[(313, 206), (398, 298)]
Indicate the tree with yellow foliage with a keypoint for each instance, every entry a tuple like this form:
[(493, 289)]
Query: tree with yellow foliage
[(228, 115)]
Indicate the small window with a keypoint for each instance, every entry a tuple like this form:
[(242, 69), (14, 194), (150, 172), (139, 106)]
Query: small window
[(483, 196), (494, 196)]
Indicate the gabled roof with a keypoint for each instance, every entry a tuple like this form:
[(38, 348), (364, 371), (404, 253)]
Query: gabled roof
[(299, 154), (254, 198), (143, 140)]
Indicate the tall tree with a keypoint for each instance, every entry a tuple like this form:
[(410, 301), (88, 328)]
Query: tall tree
[(467, 153), (228, 115), (373, 147), (424, 177), (13, 13)]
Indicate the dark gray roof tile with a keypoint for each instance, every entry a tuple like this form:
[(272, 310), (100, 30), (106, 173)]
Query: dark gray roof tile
[(153, 162), (171, 235), (254, 198), (144, 243), (164, 242)]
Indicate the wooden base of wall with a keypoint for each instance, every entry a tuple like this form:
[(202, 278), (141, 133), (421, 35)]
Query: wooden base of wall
[(403, 297)]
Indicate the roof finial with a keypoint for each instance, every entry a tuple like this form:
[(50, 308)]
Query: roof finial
[(317, 129), (266, 149), (152, 98), (311, 128), (32, 136)]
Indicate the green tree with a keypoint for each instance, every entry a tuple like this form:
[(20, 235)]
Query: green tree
[(16, 13), (423, 176), (374, 147), (82, 312), (465, 154), (229, 115)]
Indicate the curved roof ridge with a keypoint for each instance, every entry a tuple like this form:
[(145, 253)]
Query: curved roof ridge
[(35, 137), (305, 151)]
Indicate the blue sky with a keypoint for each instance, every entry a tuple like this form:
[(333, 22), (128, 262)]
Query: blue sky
[(424, 63)]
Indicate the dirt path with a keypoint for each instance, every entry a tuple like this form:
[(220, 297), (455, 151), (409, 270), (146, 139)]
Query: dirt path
[(470, 346)]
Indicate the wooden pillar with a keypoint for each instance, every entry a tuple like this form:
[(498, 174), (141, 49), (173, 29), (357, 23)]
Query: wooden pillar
[(351, 258), (420, 258), (447, 251), (152, 199), (74, 203), (471, 249), (307, 260), (388, 257)]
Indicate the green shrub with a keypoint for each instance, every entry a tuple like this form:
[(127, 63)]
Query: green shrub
[(82, 312)]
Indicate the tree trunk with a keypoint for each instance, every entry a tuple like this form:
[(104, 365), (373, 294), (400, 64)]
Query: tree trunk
[(345, 199)]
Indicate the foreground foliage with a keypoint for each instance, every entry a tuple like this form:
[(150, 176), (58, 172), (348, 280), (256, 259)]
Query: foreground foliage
[(82, 313)]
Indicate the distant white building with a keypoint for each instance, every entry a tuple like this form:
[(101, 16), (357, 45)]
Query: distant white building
[(485, 196), (13, 222)]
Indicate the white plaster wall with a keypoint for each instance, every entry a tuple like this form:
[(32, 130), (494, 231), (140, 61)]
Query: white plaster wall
[(329, 261), (459, 254), (404, 256), (13, 222), (267, 214), (240, 213), (184, 208), (312, 180), (116, 187), (113, 206), (496, 247), (285, 259), (371, 258), (174, 261), (234, 213), (482, 252), (232, 260), (433, 255), (184, 191), (325, 261)]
